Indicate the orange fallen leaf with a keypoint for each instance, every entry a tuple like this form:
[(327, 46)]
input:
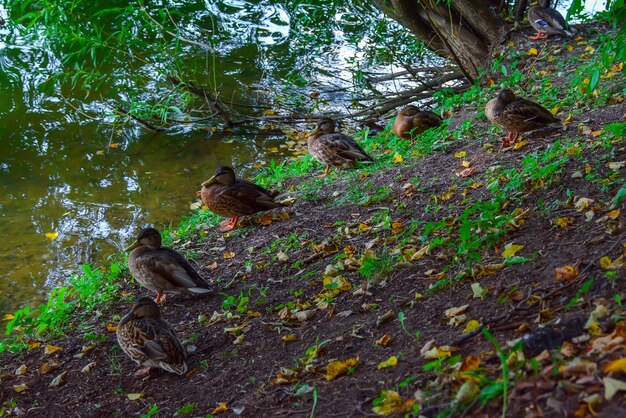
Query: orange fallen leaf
[(567, 273), (221, 408), (51, 349), (265, 219), (384, 340)]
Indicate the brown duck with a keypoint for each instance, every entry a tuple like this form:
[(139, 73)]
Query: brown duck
[(546, 21), (515, 114), (226, 195), (333, 148), (411, 122), (149, 340), (162, 269)]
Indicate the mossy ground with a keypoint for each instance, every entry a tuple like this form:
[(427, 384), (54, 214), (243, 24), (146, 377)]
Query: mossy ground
[(387, 250)]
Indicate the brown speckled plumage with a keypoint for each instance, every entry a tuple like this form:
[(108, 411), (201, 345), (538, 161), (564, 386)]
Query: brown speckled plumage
[(547, 21), (333, 148), (411, 122), (149, 340), (227, 196), (515, 114), (162, 269)]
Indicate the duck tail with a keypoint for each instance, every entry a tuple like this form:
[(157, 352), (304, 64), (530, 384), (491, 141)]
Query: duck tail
[(558, 124), (198, 290)]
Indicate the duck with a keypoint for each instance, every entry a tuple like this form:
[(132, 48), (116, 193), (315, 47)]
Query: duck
[(516, 114), (334, 148), (226, 195), (411, 122), (546, 21), (162, 269), (150, 341)]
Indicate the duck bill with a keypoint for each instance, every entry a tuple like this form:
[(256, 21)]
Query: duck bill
[(126, 318), (209, 181), (133, 246), (314, 131)]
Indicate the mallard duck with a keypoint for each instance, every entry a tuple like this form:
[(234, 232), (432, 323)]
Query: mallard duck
[(333, 148), (149, 340), (546, 21), (411, 122), (515, 114), (162, 269), (226, 195)]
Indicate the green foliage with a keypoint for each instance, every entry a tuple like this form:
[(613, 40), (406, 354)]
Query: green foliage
[(87, 291)]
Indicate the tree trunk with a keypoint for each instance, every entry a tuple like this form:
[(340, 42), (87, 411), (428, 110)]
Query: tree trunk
[(460, 30)]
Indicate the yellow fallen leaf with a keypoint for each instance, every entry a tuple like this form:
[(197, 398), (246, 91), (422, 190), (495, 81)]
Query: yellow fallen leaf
[(563, 222), (8, 317), (392, 403), (555, 110), (420, 253), (460, 154), (471, 326), (616, 366), (338, 368), (390, 362), (532, 51), (289, 338), (114, 145), (570, 47), (397, 159), (467, 393), (466, 164), (22, 370), (52, 235), (20, 388), (221, 408), (50, 349), (32, 344), (111, 327), (510, 250), (614, 214), (605, 262), (134, 396), (229, 254), (582, 203)]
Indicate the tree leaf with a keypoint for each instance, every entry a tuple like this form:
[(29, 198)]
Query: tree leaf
[(338, 368), (390, 362)]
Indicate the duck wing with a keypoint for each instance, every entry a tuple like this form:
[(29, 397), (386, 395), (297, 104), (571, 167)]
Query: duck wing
[(525, 115), (247, 198), (171, 266), (343, 146)]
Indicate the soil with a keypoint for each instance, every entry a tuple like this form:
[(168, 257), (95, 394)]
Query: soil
[(241, 368)]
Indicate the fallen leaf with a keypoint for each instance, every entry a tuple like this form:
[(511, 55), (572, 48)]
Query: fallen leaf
[(338, 368), (229, 254), (519, 145), (467, 392), (266, 219), (582, 203), (468, 172), (511, 249), (614, 366), (88, 367), (221, 408), (111, 327), (456, 311), (614, 214), (478, 292), (52, 235), (471, 326), (578, 366), (282, 256), (460, 154), (48, 367), (134, 396), (8, 317), (563, 222), (384, 340), (22, 370), (439, 352), (392, 403), (532, 51), (59, 380), (397, 159), (50, 349), (289, 338), (20, 388), (612, 386), (32, 344), (392, 361), (567, 273), (605, 262)]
